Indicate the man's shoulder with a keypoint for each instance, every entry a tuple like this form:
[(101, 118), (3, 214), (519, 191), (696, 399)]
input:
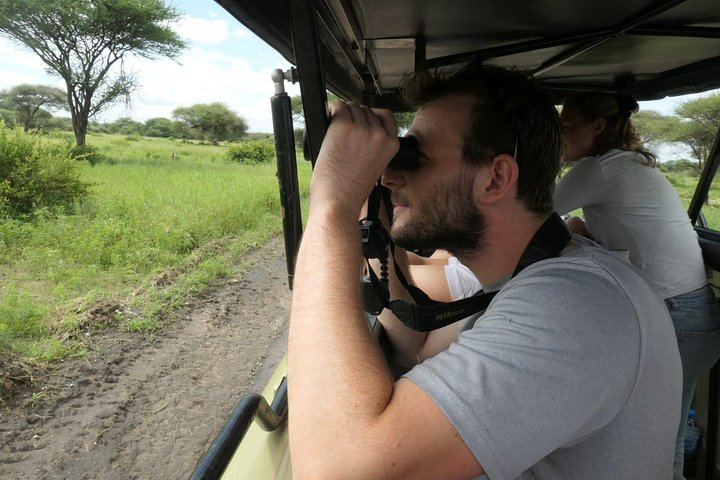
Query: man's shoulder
[(586, 270), (583, 251), (579, 253)]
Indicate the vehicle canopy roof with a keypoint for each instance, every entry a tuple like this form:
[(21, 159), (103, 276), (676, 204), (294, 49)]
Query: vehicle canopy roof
[(648, 48)]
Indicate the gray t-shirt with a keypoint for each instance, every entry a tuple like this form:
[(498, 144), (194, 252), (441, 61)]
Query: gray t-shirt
[(573, 372)]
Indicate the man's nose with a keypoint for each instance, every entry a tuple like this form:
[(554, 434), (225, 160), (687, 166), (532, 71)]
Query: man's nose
[(393, 178)]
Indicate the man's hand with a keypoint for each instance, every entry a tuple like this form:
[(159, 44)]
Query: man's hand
[(358, 145)]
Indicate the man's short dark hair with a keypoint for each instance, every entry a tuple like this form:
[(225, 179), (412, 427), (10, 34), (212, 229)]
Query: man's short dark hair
[(511, 109)]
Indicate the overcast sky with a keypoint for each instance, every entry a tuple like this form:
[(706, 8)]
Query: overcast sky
[(225, 62)]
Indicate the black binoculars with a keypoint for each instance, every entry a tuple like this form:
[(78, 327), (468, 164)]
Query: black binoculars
[(405, 159)]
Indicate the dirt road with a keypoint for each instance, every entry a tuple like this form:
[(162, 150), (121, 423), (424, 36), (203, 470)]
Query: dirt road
[(147, 407)]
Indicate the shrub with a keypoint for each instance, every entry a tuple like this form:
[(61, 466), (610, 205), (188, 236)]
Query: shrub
[(258, 136), (66, 137), (87, 153), (59, 123), (35, 176), (8, 116), (252, 152), (679, 166)]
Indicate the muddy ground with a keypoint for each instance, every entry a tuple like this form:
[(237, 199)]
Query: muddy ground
[(148, 406)]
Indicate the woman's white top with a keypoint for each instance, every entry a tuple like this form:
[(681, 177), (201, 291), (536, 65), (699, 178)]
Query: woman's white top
[(630, 206), (461, 281)]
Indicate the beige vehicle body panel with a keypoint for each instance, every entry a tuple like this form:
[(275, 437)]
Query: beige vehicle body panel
[(263, 455)]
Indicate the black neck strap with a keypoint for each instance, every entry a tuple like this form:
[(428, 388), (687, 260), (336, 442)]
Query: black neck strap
[(426, 314)]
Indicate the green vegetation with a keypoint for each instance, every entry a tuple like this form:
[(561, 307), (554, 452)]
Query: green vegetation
[(252, 152), (685, 182), (165, 218), (213, 122), (693, 125), (29, 103), (711, 209), (35, 176)]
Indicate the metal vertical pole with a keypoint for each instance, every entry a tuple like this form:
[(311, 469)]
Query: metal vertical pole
[(306, 42), (286, 168)]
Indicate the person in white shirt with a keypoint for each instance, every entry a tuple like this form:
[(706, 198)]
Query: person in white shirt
[(629, 205)]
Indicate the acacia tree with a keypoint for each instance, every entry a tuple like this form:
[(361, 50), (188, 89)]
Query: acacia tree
[(81, 41), (699, 121), (159, 127), (214, 121), (693, 125), (30, 102)]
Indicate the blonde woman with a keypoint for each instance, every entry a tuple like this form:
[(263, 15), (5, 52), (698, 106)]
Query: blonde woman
[(629, 205)]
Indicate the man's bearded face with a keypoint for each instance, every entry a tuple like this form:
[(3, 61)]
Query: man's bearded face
[(445, 217)]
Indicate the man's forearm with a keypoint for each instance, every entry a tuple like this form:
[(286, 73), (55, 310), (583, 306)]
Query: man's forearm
[(338, 380)]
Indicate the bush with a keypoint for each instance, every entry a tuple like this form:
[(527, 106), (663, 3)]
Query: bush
[(87, 153), (252, 152), (35, 176), (258, 136), (679, 166), (58, 123), (66, 137), (8, 116)]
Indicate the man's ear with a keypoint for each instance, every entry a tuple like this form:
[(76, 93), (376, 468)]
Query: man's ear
[(599, 127), (497, 180)]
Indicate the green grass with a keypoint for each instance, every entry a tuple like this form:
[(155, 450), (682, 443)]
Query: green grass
[(685, 184), (165, 219), (711, 209)]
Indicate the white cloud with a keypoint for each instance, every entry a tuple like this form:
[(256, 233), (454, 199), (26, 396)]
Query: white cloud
[(205, 76), (22, 58), (20, 65), (240, 32), (200, 30)]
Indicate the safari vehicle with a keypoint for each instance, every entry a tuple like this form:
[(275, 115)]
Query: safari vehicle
[(360, 50)]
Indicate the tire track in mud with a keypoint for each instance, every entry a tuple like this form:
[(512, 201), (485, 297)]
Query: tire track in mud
[(147, 407)]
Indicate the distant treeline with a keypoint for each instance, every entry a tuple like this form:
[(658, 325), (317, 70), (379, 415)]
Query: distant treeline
[(155, 127), (30, 106)]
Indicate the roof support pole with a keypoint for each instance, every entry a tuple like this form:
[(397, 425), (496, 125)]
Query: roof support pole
[(306, 42), (281, 108), (421, 64)]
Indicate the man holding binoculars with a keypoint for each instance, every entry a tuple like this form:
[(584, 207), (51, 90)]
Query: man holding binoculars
[(572, 371)]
